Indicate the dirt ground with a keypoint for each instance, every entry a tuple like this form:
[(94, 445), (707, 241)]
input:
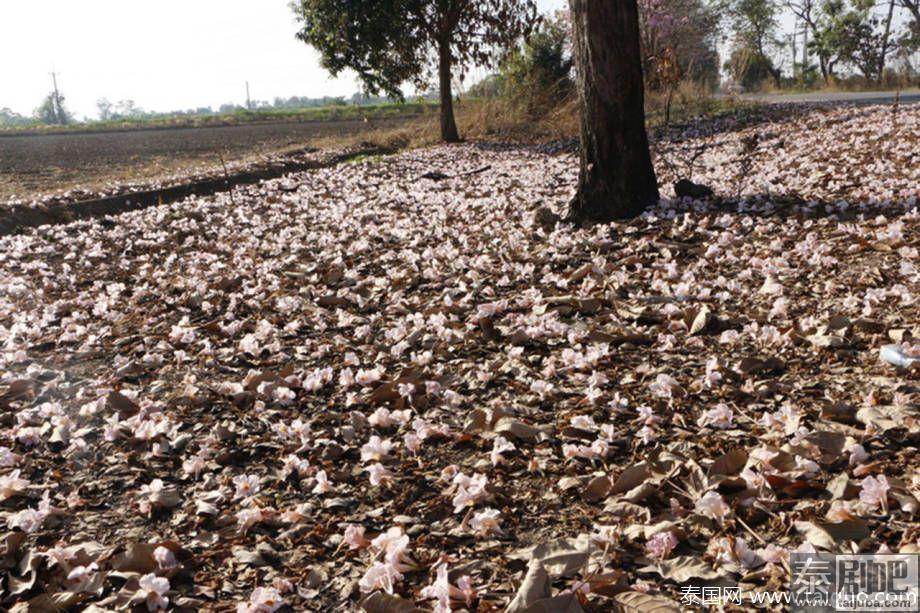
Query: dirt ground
[(40, 164)]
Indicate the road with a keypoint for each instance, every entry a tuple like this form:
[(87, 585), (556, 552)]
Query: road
[(882, 97)]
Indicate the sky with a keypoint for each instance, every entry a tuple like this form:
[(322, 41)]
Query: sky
[(164, 55)]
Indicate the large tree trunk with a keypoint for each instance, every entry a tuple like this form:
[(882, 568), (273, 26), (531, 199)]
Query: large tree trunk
[(448, 124), (617, 179)]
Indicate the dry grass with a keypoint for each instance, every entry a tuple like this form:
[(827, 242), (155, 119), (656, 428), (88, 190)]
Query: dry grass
[(890, 82), (501, 120)]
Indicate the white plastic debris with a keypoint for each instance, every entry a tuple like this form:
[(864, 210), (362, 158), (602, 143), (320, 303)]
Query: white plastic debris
[(894, 355)]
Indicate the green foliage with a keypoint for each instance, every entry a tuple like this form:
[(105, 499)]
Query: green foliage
[(10, 119), (376, 38), (53, 111), (750, 69), (755, 23), (390, 43), (538, 74), (848, 34)]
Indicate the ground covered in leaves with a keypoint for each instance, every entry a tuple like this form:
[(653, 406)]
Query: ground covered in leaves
[(359, 385)]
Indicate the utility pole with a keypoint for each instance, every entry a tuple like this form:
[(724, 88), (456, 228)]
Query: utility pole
[(804, 52), (56, 106), (248, 100)]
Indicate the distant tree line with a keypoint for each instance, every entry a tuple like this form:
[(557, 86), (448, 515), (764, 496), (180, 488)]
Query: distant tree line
[(53, 111), (830, 41), (870, 42)]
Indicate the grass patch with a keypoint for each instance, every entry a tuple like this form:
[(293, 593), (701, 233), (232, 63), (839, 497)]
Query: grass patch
[(370, 158), (239, 118)]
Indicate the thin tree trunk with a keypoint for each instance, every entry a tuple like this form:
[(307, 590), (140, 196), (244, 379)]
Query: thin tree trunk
[(883, 56), (617, 179), (449, 132)]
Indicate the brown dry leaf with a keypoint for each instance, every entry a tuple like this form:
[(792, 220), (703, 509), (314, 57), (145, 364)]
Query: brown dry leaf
[(534, 587), (381, 602), (58, 601), (597, 488), (250, 557), (683, 568), (125, 406), (166, 498), (638, 602), (562, 603), (826, 341), (10, 546), (831, 444), (887, 418), (729, 464), (842, 488), (137, 558), (831, 536), (559, 558), (519, 430), (756, 366), (631, 478)]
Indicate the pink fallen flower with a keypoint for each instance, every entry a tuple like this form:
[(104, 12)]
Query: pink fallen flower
[(262, 600), (412, 442), (246, 486), (712, 506), (323, 484), (661, 545), (720, 417), (379, 474), (354, 538), (486, 522), (499, 446), (153, 591), (165, 558), (874, 492), (380, 576), (444, 592), (376, 449), (12, 485), (858, 454), (470, 490)]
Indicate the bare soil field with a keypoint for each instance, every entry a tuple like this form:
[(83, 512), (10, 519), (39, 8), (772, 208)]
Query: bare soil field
[(38, 164)]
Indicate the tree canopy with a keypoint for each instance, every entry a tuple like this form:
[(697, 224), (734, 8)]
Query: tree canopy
[(390, 43)]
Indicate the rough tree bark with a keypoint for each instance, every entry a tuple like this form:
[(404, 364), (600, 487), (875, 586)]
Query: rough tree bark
[(617, 179), (449, 132)]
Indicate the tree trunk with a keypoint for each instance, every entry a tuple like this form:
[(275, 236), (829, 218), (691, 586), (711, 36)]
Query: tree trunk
[(883, 56), (448, 124), (617, 180)]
